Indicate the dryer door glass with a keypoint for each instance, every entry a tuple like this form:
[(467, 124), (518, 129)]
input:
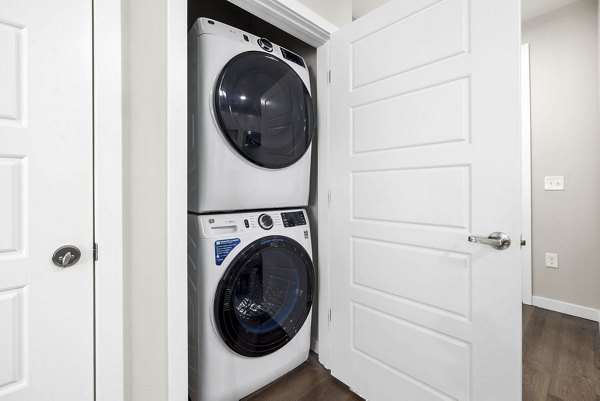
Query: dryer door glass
[(264, 109), (265, 296)]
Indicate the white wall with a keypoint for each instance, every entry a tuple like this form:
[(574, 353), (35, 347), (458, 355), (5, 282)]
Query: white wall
[(338, 12), (566, 141)]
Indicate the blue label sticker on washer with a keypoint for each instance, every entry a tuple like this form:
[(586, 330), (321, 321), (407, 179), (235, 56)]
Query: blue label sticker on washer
[(223, 247)]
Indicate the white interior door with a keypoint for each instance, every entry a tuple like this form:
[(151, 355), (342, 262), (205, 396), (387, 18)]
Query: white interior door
[(424, 153), (46, 312)]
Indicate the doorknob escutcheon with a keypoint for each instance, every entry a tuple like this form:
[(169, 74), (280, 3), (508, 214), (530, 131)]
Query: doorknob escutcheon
[(66, 256)]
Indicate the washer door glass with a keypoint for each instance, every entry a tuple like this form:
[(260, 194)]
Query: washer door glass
[(264, 109), (265, 296)]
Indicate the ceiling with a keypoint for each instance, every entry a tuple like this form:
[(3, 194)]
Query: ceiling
[(534, 8), (362, 7)]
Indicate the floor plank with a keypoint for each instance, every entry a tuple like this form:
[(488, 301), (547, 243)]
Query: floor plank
[(561, 362), (535, 384), (308, 382), (527, 313), (560, 357)]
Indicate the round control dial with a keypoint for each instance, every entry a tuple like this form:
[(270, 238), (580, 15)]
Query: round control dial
[(265, 44), (265, 221)]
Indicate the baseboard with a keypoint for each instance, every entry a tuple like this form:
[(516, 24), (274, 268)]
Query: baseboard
[(314, 345), (567, 308)]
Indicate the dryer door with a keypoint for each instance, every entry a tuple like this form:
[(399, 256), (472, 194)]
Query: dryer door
[(264, 109), (265, 296)]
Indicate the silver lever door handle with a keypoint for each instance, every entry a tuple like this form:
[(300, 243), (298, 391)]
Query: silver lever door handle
[(498, 240)]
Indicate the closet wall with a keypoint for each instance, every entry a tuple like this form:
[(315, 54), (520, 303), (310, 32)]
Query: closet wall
[(154, 76), (154, 49), (233, 15)]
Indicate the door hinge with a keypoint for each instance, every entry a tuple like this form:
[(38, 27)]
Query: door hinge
[(329, 315), (329, 197), (329, 76), (95, 251)]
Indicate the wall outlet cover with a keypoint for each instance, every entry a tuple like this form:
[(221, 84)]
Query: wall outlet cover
[(554, 183), (552, 260)]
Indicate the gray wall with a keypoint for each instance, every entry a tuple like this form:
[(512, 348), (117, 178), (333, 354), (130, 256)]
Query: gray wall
[(566, 141)]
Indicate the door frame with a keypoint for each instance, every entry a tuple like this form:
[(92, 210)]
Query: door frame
[(108, 202), (288, 15), (526, 263), (292, 17)]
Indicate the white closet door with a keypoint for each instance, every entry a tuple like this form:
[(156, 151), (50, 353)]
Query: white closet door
[(425, 153), (46, 311)]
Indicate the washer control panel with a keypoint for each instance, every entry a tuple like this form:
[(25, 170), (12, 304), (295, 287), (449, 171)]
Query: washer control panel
[(226, 225), (293, 219)]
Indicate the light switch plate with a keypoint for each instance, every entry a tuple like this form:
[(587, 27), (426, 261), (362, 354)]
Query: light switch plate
[(552, 260), (554, 183)]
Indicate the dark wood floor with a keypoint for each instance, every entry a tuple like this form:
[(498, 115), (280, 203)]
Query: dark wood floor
[(561, 357), (309, 382), (561, 362)]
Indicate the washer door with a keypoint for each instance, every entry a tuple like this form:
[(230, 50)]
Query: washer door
[(265, 296), (264, 110)]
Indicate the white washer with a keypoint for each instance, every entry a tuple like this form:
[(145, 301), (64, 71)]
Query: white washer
[(251, 122), (250, 290)]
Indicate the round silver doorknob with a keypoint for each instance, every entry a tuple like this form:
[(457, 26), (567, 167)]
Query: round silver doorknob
[(66, 256)]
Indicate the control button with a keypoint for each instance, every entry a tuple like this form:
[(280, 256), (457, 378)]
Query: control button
[(265, 44), (265, 221), (246, 223)]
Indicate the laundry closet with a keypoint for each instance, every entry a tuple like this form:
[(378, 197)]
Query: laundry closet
[(252, 172), (416, 179)]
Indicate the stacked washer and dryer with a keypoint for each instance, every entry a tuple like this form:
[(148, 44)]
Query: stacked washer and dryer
[(250, 274)]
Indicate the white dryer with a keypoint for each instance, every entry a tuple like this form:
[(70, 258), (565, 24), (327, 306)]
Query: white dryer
[(251, 122), (250, 290)]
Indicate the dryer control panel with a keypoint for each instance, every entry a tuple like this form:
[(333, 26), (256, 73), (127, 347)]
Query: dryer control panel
[(210, 26)]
